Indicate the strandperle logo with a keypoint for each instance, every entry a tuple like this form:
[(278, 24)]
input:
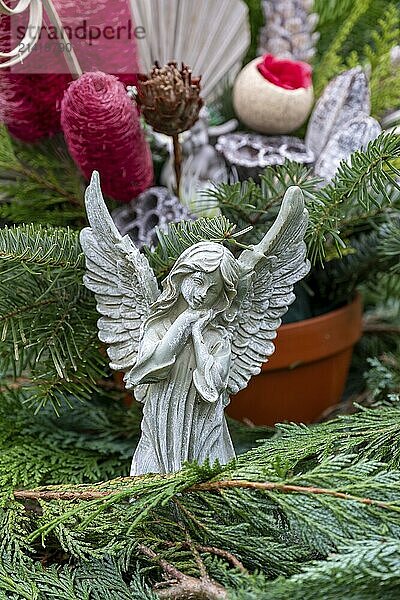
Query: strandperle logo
[(84, 31)]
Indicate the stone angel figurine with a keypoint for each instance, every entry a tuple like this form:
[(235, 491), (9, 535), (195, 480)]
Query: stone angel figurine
[(187, 347)]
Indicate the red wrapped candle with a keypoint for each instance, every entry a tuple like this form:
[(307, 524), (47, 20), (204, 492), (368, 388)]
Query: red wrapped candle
[(102, 129), (103, 38)]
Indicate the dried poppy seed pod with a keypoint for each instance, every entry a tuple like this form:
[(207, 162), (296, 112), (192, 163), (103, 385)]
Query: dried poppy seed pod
[(170, 102), (169, 98)]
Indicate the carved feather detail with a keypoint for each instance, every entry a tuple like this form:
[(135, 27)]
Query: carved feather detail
[(121, 279), (274, 265)]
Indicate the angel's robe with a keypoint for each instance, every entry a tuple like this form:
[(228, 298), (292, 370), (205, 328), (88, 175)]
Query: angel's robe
[(183, 413)]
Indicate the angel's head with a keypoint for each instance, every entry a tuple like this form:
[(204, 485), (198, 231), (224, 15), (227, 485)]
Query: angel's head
[(206, 276)]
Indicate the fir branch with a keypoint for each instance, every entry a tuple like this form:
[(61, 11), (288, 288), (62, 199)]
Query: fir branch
[(39, 182), (364, 193), (249, 204), (363, 184), (367, 255), (47, 317), (40, 246)]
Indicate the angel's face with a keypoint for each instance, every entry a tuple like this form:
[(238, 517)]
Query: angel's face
[(201, 290)]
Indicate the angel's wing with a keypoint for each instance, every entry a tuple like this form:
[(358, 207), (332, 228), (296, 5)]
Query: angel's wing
[(121, 278), (270, 271)]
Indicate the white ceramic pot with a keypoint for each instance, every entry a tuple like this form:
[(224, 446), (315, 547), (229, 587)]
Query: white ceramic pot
[(267, 108)]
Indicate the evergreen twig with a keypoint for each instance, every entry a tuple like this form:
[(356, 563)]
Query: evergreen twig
[(39, 182)]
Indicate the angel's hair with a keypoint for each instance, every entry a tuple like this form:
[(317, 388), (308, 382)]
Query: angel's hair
[(205, 257)]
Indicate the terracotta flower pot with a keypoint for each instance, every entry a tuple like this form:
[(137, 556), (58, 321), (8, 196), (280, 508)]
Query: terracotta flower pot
[(307, 373)]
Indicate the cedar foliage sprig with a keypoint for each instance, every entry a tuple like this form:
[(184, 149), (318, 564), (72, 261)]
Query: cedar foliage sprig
[(364, 570), (332, 62), (282, 508), (366, 34), (86, 442)]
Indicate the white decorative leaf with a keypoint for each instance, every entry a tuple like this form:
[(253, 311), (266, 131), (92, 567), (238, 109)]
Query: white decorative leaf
[(210, 36), (343, 99)]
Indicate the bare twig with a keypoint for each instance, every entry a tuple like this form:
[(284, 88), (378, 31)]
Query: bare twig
[(14, 384), (57, 494), (181, 586), (195, 589), (287, 488), (177, 162), (199, 561), (346, 407), (47, 494), (212, 550), (223, 554), (382, 328), (26, 308), (169, 569)]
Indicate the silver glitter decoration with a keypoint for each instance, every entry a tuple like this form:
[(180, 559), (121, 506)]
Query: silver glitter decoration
[(156, 207), (250, 153), (343, 99)]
